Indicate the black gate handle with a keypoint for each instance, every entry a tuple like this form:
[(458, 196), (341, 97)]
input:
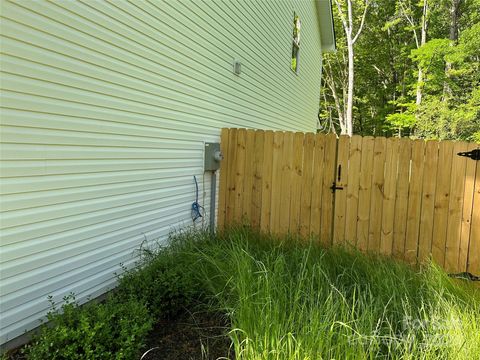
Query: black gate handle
[(474, 154)]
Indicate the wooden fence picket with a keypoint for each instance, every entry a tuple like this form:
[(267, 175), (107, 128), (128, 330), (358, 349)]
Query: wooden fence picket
[(474, 248), (376, 201), (364, 193), (340, 179), (455, 207), (286, 183), (317, 184), (442, 197), (401, 201), (248, 174), (258, 174), (389, 196), (267, 176), (326, 214), (230, 167), (467, 209), (414, 201), (352, 187), (223, 185), (276, 189), (296, 183), (239, 174), (428, 201), (307, 185)]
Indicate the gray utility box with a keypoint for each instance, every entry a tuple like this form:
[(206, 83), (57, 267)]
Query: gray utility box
[(213, 156)]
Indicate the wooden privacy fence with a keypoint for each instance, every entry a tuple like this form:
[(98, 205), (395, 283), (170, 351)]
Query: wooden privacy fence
[(407, 198)]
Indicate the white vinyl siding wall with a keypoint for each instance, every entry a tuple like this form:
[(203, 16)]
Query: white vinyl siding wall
[(105, 107)]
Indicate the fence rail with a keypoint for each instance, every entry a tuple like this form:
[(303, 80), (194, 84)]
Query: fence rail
[(407, 198)]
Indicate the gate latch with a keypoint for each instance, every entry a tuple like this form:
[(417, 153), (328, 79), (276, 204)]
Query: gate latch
[(474, 154), (334, 187)]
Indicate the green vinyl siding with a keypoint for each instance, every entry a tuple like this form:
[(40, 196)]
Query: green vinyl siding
[(105, 107)]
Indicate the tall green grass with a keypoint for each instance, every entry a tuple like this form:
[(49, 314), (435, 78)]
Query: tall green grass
[(291, 299)]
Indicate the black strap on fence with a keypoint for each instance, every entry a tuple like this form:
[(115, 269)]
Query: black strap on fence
[(465, 276), (474, 154)]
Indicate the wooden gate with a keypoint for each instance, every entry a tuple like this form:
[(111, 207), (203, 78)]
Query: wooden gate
[(407, 198)]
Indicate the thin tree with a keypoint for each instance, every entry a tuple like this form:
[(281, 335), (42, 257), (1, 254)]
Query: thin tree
[(407, 12), (453, 37), (351, 37)]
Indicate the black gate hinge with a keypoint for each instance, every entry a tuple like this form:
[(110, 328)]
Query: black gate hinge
[(474, 154)]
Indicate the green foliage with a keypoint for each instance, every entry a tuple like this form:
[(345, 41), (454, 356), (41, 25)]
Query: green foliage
[(387, 61), (110, 330), (162, 282), (292, 299), (476, 137), (452, 114), (286, 299), (160, 286), (468, 47), (403, 120), (438, 121), (293, 65), (295, 42), (431, 59)]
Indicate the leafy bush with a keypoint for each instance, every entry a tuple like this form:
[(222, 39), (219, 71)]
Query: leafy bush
[(161, 285), (163, 281), (110, 330)]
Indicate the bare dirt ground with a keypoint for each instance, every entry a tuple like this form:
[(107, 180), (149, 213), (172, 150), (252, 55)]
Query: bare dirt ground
[(190, 336)]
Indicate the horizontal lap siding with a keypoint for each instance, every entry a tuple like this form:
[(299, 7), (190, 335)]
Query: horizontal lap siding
[(105, 108)]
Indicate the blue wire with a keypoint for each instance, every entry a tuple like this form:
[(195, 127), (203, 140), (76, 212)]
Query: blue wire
[(197, 209)]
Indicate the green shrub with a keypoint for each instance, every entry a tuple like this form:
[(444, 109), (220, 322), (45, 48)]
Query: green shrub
[(163, 281), (109, 330), (161, 285)]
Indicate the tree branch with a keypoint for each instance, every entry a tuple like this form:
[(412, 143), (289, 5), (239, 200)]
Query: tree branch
[(410, 20), (362, 22), (342, 15), (329, 80)]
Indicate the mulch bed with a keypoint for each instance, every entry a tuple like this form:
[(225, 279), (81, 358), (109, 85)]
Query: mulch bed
[(190, 336)]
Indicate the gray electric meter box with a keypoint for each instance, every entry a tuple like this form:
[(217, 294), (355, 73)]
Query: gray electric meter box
[(213, 156)]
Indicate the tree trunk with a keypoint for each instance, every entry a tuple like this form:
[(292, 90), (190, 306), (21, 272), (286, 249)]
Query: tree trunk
[(419, 86), (351, 76), (454, 16), (351, 37), (341, 118), (423, 40), (453, 36)]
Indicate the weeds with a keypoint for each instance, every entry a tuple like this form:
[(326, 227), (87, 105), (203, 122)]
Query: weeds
[(286, 299)]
